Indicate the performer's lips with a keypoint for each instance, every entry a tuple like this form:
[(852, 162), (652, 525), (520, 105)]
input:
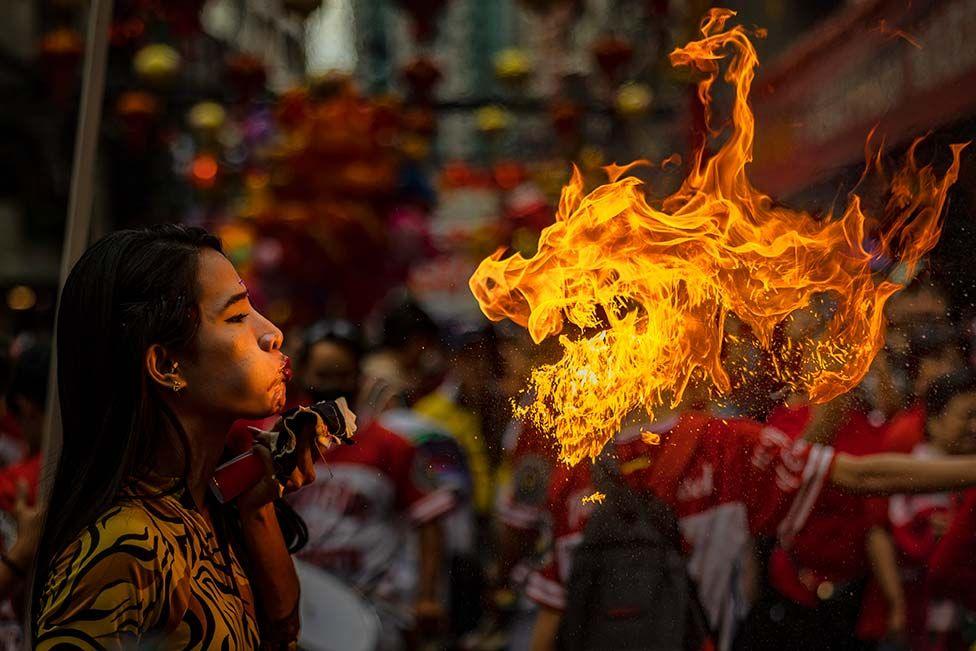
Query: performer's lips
[(286, 371)]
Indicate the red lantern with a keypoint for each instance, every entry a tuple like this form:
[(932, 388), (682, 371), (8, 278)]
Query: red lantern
[(508, 174), (158, 64), (126, 32), (203, 171), (420, 120), (183, 16), (565, 116), (612, 54), (457, 174), (424, 14), (247, 74), (137, 111), (292, 109), (422, 74), (330, 84), (60, 52), (387, 112)]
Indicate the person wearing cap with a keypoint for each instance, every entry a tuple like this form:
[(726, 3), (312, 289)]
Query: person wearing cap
[(364, 493)]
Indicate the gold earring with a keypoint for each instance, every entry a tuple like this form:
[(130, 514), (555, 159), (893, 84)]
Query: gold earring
[(177, 386)]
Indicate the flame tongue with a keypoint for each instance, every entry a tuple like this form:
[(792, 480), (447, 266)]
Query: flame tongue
[(649, 289)]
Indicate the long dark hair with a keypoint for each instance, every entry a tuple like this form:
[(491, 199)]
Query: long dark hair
[(130, 290)]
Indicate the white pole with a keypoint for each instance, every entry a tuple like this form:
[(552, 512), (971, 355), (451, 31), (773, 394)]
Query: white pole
[(78, 222)]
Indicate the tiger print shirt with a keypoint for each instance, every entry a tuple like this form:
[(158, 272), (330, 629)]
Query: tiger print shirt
[(149, 573)]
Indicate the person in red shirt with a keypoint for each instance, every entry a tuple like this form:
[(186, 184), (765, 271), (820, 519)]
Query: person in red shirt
[(11, 440), (919, 521), (521, 504), (520, 511), (726, 480), (952, 566), (26, 402), (19, 520), (933, 353), (363, 493), (827, 591)]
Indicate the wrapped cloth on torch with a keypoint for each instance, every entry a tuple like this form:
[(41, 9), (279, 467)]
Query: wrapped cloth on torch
[(334, 424)]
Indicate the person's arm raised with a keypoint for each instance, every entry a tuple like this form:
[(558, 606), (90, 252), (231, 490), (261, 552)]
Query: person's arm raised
[(885, 474)]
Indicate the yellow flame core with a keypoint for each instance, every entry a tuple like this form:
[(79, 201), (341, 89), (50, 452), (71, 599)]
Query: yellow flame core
[(649, 289), (594, 498)]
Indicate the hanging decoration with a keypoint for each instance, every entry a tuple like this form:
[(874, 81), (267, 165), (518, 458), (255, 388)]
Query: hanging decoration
[(633, 99), (419, 119), (124, 33), (329, 84), (492, 120), (424, 14), (60, 53), (157, 64), (292, 108), (206, 118), (513, 66), (565, 116), (204, 170), (422, 74), (246, 74), (612, 55), (137, 112), (329, 222), (182, 16)]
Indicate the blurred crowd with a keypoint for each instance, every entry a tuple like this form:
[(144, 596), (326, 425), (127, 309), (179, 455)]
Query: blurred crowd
[(454, 524)]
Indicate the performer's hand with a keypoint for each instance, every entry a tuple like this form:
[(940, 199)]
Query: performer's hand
[(265, 491), (306, 454)]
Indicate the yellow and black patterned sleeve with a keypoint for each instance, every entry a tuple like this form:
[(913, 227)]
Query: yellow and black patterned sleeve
[(108, 588)]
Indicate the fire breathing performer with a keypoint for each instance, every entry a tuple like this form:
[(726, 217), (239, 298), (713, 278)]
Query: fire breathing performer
[(159, 352)]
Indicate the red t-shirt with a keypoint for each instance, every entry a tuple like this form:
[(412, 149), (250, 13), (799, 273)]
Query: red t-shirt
[(838, 516), (11, 634), (915, 534), (734, 479), (13, 448), (799, 565), (952, 567), (906, 429), (531, 459), (353, 509), (28, 470)]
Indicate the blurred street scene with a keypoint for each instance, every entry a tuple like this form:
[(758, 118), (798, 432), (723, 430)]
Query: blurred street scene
[(358, 159)]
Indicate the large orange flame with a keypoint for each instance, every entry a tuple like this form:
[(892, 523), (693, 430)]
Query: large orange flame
[(649, 288)]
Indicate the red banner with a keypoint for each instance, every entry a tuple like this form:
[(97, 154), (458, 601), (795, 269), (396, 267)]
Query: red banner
[(907, 67)]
